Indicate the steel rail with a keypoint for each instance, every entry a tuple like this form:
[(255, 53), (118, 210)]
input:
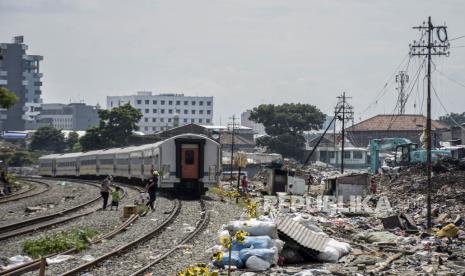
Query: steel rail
[(35, 264), (25, 194), (35, 220), (200, 226), (173, 214), (33, 224)]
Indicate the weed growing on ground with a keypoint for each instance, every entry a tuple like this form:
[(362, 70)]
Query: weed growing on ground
[(76, 238)]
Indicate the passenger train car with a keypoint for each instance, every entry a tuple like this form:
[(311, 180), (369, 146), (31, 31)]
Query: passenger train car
[(185, 162)]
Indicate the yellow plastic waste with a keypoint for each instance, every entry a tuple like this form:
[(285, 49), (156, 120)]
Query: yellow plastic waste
[(450, 231)]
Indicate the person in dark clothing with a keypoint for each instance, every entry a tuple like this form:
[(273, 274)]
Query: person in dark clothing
[(105, 190), (151, 188)]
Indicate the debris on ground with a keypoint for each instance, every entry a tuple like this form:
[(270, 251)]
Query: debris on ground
[(347, 242)]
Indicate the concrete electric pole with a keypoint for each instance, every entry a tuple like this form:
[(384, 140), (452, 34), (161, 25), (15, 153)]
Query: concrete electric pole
[(429, 48)]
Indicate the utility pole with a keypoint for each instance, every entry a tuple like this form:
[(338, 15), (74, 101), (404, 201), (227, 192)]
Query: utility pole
[(347, 114), (430, 48), (402, 79), (232, 143)]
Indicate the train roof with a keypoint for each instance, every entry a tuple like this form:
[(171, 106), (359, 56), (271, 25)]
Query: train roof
[(92, 152), (191, 135), (126, 149), (69, 155), (49, 156)]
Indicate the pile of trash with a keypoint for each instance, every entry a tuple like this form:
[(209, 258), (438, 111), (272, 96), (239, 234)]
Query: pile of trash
[(258, 251), (274, 242), (395, 240)]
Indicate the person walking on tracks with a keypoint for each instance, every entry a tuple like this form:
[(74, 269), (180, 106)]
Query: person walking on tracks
[(115, 198), (105, 190), (151, 188)]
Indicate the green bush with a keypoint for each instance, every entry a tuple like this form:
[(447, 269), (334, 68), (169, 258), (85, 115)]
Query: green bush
[(76, 238)]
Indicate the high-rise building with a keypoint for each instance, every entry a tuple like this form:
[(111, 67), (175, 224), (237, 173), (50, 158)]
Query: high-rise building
[(74, 116), (165, 111), (256, 127), (20, 73)]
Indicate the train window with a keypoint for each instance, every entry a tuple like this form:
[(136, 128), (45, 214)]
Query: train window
[(166, 171), (346, 154), (212, 172), (358, 155), (189, 157), (156, 159)]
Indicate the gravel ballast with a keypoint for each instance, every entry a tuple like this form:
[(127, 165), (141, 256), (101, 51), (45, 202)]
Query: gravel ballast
[(141, 226), (101, 221), (196, 250), (56, 199)]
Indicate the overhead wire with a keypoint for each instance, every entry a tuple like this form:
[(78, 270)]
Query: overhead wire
[(411, 86), (387, 84), (445, 110), (455, 38), (449, 78), (390, 81)]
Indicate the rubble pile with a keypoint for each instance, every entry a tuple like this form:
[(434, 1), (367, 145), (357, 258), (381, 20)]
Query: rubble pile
[(395, 242)]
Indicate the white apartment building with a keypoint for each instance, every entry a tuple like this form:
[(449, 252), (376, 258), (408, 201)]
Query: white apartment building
[(164, 111), (256, 127)]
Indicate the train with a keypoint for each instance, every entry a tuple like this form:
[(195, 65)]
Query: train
[(186, 163)]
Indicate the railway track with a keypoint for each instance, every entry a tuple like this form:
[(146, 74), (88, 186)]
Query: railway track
[(36, 223), (32, 191), (35, 264), (202, 223), (125, 247)]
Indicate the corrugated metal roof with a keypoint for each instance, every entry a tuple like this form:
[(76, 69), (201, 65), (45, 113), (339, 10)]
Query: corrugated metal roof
[(302, 235), (396, 122)]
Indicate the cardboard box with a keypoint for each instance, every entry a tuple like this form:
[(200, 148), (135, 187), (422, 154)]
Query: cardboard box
[(129, 210)]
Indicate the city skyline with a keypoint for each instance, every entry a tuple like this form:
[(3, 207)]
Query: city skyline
[(243, 53)]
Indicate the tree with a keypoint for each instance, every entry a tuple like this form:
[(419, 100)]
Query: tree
[(48, 138), (92, 140), (73, 138), (20, 158), (77, 147), (288, 145), (285, 125), (453, 119), (7, 98), (114, 130)]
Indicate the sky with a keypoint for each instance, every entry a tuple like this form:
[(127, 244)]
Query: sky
[(242, 52)]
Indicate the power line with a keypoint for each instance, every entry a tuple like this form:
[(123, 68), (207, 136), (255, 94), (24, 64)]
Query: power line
[(411, 86), (389, 82), (384, 89), (455, 38), (449, 78), (445, 110)]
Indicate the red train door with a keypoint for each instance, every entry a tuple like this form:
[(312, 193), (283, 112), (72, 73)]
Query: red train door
[(190, 161)]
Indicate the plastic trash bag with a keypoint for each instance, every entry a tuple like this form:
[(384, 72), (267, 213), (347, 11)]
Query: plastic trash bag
[(371, 236), (254, 263), (268, 254), (279, 244), (334, 251), (235, 260), (255, 227), (59, 259), (313, 272), (16, 261), (253, 242), (88, 258)]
